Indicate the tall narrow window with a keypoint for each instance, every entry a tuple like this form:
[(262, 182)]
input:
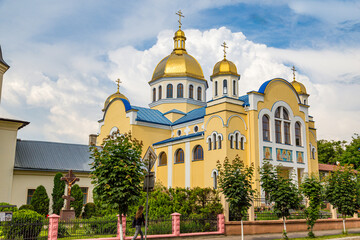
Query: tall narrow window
[(287, 132), (225, 86), (216, 88), (214, 140), (236, 140), (266, 128), (199, 93), (231, 142), (278, 131), (313, 153), (215, 179), (160, 92), (277, 112), (30, 193), (242, 143), (198, 153), (191, 91), (179, 156), (297, 134), (169, 91), (219, 142), (162, 159), (285, 114), (210, 143), (234, 87), (180, 91), (84, 190), (154, 94)]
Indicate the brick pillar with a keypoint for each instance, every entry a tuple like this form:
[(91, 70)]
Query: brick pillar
[(123, 225), (333, 212), (53, 226), (176, 224), (356, 215), (251, 212), (221, 223)]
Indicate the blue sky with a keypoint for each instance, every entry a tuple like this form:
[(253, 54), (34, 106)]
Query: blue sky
[(65, 55)]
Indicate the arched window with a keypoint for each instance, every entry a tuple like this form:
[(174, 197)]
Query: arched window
[(277, 112), (242, 142), (162, 159), (234, 87), (297, 134), (313, 153), (179, 156), (231, 142), (214, 140), (198, 153), (282, 122), (219, 142), (210, 144), (266, 128), (305, 101), (215, 179), (160, 92), (199, 93), (191, 91), (216, 88), (154, 94), (180, 91), (278, 131), (169, 91), (237, 140), (285, 114), (225, 86)]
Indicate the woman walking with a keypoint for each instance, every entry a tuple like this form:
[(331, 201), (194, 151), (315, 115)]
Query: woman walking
[(139, 219)]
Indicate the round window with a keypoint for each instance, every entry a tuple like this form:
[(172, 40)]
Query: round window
[(196, 129)]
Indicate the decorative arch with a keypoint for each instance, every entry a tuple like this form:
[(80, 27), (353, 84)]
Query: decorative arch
[(237, 140), (215, 116), (198, 153), (214, 140), (162, 159), (263, 87), (236, 115), (214, 175)]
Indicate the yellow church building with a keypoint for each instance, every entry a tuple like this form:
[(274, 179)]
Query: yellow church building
[(190, 134)]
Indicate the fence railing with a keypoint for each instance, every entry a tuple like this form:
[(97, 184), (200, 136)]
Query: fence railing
[(24, 230)]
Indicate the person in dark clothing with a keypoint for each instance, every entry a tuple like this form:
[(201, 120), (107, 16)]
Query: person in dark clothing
[(139, 219)]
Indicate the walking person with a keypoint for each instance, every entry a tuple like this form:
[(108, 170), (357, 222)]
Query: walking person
[(139, 219)]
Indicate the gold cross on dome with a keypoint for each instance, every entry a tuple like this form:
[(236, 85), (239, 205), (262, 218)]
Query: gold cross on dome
[(118, 81), (294, 70), (225, 47), (179, 13)]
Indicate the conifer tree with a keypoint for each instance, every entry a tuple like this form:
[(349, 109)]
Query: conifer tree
[(58, 192), (40, 201), (77, 204)]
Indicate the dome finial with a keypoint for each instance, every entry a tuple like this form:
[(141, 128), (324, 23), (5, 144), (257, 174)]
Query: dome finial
[(179, 13), (294, 70), (225, 47), (118, 81)]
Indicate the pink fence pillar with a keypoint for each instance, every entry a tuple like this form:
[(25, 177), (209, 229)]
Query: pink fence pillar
[(221, 223), (53, 226), (123, 225), (176, 224)]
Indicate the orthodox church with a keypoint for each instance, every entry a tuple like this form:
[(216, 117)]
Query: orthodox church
[(190, 134)]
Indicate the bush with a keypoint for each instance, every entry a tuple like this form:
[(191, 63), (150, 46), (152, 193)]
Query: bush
[(62, 231), (57, 193), (26, 206), (40, 201), (7, 209), (79, 198), (102, 225), (25, 224), (89, 210)]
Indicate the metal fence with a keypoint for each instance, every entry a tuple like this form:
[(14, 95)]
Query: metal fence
[(24, 230), (160, 225), (198, 224)]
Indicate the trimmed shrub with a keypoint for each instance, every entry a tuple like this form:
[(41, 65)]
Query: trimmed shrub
[(57, 193), (40, 201), (102, 225), (79, 198), (89, 210), (25, 224), (26, 206), (7, 209)]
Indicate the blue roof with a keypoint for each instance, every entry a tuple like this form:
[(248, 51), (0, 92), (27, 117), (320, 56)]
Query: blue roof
[(263, 86), (151, 116), (50, 156), (191, 116), (245, 99), (174, 111), (126, 104), (179, 138)]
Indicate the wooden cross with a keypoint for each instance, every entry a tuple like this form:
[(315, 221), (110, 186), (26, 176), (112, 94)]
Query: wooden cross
[(294, 70), (118, 81), (69, 179), (225, 47), (179, 13)]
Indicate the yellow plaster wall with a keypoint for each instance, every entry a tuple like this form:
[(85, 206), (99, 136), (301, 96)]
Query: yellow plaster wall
[(184, 107), (174, 116), (197, 173), (313, 163), (178, 168), (162, 171)]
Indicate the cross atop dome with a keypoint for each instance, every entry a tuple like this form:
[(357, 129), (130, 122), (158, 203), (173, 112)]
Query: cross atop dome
[(294, 70), (225, 47), (118, 81), (179, 13)]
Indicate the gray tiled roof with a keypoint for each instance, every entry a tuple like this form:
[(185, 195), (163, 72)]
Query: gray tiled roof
[(51, 156)]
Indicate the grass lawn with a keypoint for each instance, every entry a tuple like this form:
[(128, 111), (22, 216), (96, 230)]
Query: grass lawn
[(328, 237)]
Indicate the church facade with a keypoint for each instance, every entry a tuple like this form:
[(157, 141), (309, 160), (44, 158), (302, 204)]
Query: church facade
[(190, 134)]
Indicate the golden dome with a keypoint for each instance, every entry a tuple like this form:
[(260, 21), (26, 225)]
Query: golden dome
[(179, 33), (224, 67), (112, 97), (299, 87)]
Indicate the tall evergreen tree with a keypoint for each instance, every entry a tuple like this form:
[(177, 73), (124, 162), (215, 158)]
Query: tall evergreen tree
[(40, 201), (77, 204), (57, 193)]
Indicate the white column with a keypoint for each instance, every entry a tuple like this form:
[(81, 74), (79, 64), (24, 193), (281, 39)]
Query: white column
[(170, 166), (187, 164)]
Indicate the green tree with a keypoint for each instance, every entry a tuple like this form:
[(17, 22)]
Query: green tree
[(282, 191), (351, 155), (77, 204), (117, 172), (235, 180), (40, 201), (312, 189), (341, 191), (330, 152), (57, 193)]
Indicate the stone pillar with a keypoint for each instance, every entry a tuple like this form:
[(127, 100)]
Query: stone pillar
[(176, 224), (221, 223), (251, 212), (53, 226), (333, 212), (356, 215), (123, 225)]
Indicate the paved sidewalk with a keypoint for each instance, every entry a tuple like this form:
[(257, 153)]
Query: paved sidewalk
[(278, 235)]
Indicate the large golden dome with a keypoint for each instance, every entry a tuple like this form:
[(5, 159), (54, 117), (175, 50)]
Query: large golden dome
[(224, 67), (299, 87), (179, 63), (112, 97)]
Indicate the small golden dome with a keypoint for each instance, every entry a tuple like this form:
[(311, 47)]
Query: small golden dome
[(179, 33), (112, 97), (224, 67), (299, 87)]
